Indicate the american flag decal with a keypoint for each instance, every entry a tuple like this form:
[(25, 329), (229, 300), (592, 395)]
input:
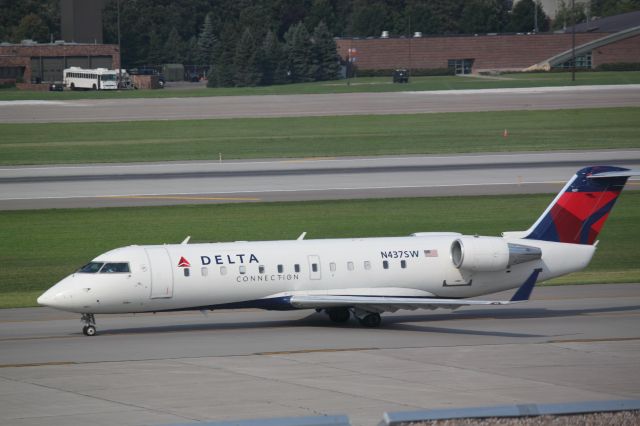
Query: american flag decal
[(431, 253)]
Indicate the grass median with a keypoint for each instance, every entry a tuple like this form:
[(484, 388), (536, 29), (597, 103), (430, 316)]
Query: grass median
[(353, 85), (42, 246), (299, 137)]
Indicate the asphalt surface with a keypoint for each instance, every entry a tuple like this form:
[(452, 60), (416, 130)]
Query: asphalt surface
[(570, 343), (293, 180), (319, 105)]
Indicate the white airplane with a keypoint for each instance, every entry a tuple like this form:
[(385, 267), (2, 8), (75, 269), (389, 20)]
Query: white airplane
[(360, 276)]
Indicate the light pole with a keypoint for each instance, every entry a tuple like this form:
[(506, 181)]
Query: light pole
[(573, 40), (119, 51)]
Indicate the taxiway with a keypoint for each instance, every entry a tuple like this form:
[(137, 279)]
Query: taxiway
[(296, 179), (93, 110), (569, 343)]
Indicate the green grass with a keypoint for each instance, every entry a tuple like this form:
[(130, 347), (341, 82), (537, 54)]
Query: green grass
[(56, 143), (40, 247), (355, 85)]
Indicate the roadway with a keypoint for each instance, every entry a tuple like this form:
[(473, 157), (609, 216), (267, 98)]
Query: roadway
[(570, 343), (109, 185), (93, 110)]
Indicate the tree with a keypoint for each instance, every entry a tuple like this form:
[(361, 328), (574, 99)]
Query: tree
[(223, 63), (174, 47), (563, 17), (298, 45), (32, 27), (326, 65), (272, 61), (369, 18), (245, 61), (523, 17), (604, 8), (155, 52), (482, 16), (206, 42)]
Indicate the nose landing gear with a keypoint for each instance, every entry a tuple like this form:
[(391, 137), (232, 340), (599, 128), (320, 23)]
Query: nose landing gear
[(89, 328)]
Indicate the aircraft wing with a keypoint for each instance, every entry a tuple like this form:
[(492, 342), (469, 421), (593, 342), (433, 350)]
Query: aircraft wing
[(385, 304), (392, 304)]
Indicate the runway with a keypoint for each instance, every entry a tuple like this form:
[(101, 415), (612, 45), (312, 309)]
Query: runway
[(569, 343), (319, 105), (104, 185)]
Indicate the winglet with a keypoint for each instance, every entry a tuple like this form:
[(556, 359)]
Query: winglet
[(524, 292)]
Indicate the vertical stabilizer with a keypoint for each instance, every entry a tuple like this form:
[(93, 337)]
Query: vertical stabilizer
[(579, 211)]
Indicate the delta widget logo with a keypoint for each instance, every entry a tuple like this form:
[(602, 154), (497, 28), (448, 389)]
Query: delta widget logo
[(183, 263)]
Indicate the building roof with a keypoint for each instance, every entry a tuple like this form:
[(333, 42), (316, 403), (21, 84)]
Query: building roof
[(610, 24)]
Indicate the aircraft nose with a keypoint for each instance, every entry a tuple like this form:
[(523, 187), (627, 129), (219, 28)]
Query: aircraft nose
[(63, 295), (45, 298)]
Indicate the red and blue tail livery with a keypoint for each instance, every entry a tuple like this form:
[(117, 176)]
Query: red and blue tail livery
[(580, 210)]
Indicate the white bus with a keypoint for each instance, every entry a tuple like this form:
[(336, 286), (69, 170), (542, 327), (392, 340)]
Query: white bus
[(92, 79)]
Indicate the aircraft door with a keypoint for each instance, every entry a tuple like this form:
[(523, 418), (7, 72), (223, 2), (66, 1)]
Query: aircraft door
[(314, 268), (161, 272)]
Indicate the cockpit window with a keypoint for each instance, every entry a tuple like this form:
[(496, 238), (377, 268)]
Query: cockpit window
[(91, 267), (110, 268)]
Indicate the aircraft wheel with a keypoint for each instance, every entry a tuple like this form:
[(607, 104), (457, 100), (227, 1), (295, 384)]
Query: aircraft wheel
[(371, 320), (89, 330), (339, 315)]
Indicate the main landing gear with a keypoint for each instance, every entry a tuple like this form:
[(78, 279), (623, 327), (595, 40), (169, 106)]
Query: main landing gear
[(89, 328), (342, 315)]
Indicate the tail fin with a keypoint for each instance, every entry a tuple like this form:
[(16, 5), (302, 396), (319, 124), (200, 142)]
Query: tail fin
[(579, 211)]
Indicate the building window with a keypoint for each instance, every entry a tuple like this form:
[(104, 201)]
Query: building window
[(582, 62), (460, 66)]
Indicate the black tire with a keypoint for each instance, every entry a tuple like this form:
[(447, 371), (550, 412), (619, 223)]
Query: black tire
[(339, 315), (371, 320), (89, 330)]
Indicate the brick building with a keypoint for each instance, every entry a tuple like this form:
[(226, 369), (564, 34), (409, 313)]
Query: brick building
[(484, 52), (35, 62)]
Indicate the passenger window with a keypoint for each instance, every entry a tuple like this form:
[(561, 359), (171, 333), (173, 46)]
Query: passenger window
[(385, 264), (204, 271), (350, 266), (314, 267), (261, 269), (223, 270), (367, 265), (114, 268), (243, 269), (403, 264), (280, 269), (186, 272), (296, 267), (332, 267)]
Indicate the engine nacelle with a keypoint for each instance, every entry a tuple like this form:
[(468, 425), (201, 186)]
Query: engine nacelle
[(490, 254)]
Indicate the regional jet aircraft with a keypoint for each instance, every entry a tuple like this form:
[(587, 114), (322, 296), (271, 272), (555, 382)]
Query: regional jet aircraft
[(359, 277)]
